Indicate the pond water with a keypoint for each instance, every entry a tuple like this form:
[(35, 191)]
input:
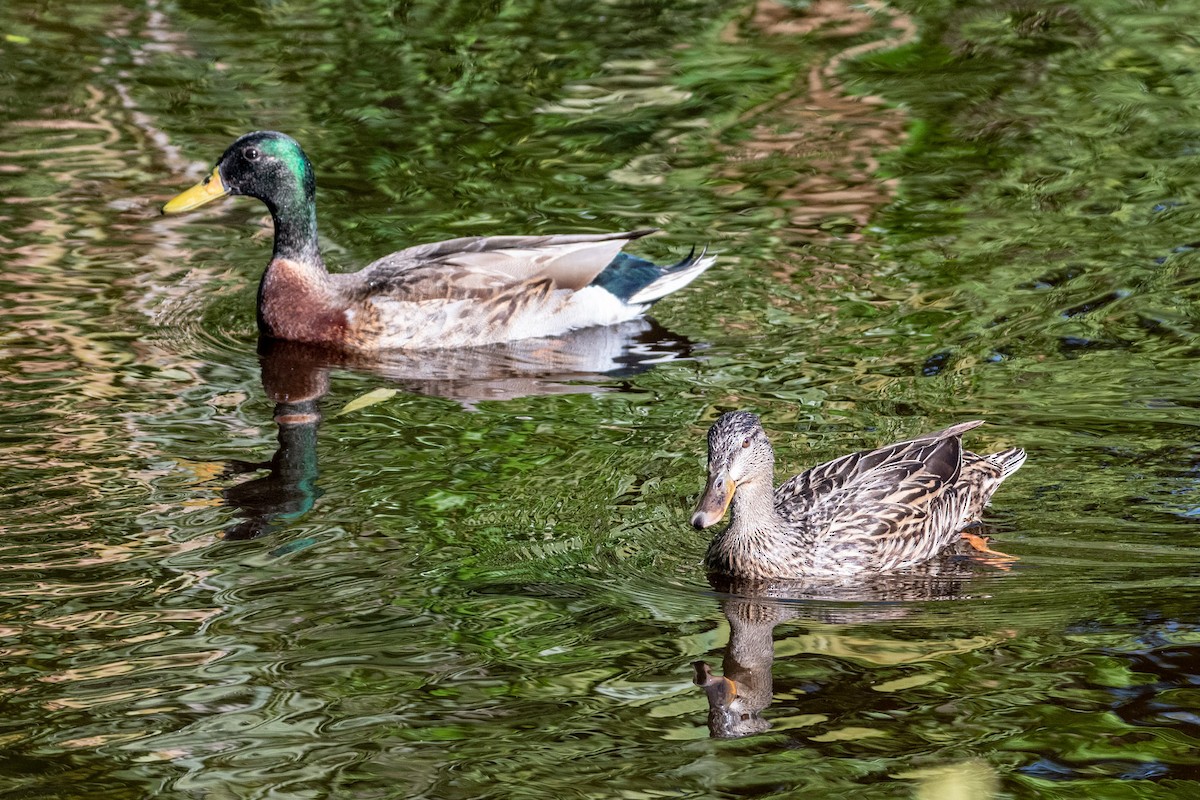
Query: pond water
[(234, 570)]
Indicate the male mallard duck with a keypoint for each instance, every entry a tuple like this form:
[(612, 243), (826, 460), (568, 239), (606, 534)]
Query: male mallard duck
[(471, 291), (868, 512)]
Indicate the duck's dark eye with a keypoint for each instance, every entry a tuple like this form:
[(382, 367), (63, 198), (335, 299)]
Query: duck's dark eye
[(251, 154), (746, 442)]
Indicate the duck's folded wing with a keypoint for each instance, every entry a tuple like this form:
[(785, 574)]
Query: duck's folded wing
[(896, 513), (480, 265), (817, 482)]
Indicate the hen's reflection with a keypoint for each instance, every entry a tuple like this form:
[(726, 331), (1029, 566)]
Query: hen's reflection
[(737, 699), (296, 377)]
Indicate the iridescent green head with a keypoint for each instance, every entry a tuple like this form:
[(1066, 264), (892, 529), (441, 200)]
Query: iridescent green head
[(264, 164)]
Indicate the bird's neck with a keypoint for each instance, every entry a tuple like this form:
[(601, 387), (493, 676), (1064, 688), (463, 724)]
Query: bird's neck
[(759, 543), (753, 505), (295, 218)]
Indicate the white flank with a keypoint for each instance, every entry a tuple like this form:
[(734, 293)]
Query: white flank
[(589, 306)]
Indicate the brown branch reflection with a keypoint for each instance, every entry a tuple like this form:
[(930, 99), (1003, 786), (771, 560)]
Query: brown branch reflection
[(829, 137)]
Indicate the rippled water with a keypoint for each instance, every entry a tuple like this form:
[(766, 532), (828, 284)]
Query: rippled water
[(238, 570)]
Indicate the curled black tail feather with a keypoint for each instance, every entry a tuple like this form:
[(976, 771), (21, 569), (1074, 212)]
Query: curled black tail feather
[(627, 275)]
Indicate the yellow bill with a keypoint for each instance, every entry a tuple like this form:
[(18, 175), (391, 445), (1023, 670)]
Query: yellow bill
[(718, 494), (208, 189)]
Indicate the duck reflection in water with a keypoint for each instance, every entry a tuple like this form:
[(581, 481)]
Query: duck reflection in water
[(295, 376), (738, 698)]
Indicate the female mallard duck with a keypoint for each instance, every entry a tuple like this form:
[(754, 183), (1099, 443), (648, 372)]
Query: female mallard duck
[(868, 512), (458, 293)]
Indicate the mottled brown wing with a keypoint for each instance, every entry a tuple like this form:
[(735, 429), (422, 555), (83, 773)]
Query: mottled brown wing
[(796, 495), (899, 511), (481, 266)]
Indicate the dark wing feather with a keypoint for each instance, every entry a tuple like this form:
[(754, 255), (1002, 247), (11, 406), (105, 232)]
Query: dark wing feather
[(897, 513), (914, 483), (882, 509), (798, 493)]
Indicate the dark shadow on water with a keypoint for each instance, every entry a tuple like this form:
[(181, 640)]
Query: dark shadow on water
[(296, 376), (738, 698)]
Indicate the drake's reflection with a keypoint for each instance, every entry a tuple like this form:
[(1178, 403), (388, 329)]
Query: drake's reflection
[(737, 699), (296, 376)]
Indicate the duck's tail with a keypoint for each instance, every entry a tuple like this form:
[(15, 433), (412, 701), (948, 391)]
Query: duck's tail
[(675, 277), (982, 481), (1009, 461), (638, 282)]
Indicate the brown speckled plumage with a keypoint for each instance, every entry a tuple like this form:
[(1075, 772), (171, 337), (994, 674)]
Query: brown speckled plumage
[(868, 512)]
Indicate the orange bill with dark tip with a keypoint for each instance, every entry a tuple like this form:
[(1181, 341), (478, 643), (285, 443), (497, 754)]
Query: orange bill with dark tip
[(718, 494), (203, 192)]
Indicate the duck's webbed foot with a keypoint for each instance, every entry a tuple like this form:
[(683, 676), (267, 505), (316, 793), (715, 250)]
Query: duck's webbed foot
[(994, 557)]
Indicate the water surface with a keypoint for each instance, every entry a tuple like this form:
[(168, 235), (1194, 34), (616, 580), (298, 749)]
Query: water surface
[(234, 570)]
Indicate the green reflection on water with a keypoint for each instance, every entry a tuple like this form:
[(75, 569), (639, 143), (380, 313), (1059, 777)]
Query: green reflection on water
[(486, 587)]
